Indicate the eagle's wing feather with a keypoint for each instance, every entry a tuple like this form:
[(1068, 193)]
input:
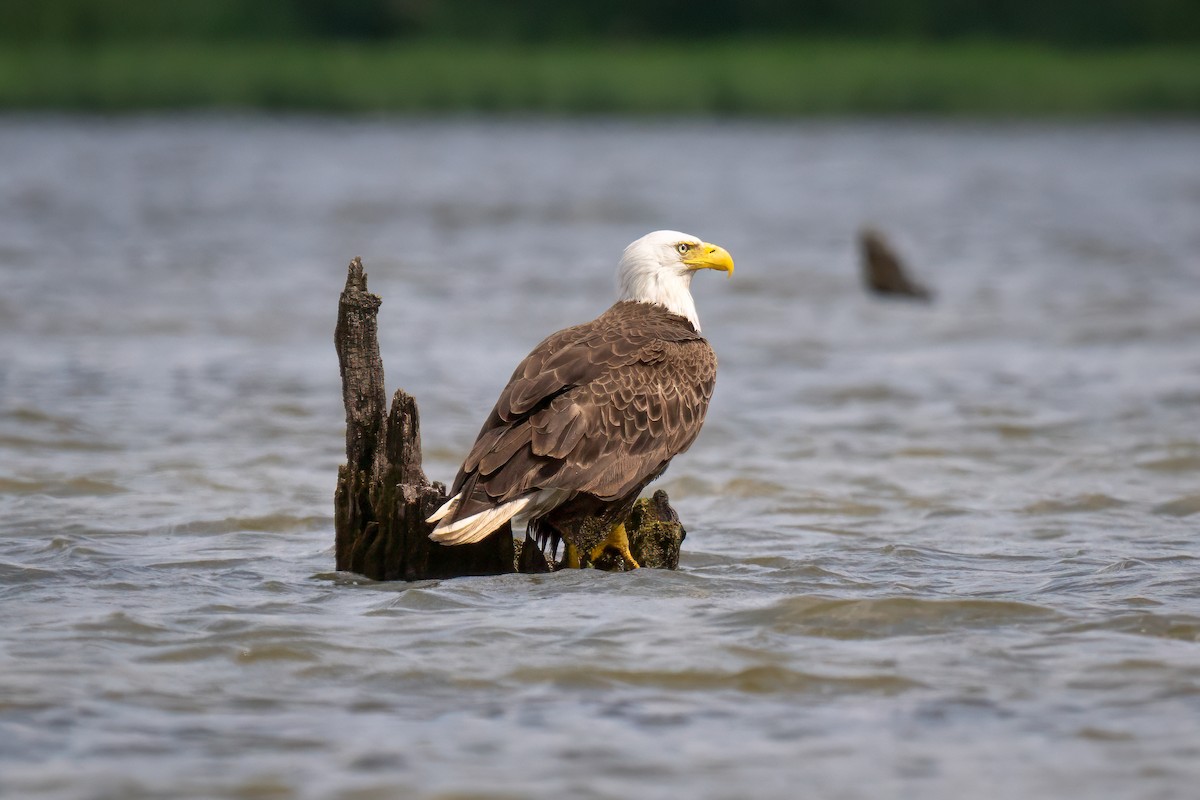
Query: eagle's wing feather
[(648, 414)]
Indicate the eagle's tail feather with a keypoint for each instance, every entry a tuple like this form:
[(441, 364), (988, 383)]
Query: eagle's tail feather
[(475, 527), (448, 508)]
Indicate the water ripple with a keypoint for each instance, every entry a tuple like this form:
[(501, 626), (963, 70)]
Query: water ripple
[(888, 617), (755, 680)]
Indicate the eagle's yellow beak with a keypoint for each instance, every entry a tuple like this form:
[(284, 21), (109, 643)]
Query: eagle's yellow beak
[(709, 256)]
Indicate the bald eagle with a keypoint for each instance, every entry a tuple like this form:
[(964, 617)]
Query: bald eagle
[(596, 411)]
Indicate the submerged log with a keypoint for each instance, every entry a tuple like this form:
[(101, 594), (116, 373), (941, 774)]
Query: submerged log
[(383, 496), (883, 271)]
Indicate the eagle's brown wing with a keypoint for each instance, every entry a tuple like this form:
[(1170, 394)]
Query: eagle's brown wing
[(599, 409)]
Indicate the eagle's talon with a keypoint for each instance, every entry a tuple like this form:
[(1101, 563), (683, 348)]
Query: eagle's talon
[(618, 540)]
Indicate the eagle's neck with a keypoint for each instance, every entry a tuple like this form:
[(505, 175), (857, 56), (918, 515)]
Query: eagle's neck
[(662, 287)]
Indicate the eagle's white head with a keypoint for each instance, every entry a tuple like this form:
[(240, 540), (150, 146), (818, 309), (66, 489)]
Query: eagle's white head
[(658, 268)]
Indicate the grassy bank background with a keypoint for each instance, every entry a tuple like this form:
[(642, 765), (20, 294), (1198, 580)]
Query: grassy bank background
[(750, 77)]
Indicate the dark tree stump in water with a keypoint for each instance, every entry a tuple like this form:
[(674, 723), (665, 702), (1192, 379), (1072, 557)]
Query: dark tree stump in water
[(383, 497), (883, 271)]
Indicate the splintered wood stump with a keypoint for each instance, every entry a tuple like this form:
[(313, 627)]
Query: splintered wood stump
[(383, 497)]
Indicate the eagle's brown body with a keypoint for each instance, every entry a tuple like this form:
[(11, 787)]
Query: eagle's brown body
[(594, 413)]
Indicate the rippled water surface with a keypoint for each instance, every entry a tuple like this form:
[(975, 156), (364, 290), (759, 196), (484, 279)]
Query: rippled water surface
[(935, 551)]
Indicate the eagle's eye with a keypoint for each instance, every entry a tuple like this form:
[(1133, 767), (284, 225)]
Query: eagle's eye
[(683, 247)]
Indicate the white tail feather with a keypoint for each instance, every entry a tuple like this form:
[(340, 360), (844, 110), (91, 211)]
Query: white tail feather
[(447, 508), (477, 526)]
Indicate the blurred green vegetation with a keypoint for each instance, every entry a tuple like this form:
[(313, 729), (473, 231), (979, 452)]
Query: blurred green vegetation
[(761, 57), (767, 78), (1072, 22)]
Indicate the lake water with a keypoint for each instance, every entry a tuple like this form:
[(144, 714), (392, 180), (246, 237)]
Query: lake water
[(937, 551)]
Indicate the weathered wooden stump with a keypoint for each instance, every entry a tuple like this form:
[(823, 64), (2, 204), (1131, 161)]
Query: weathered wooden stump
[(883, 271), (383, 496)]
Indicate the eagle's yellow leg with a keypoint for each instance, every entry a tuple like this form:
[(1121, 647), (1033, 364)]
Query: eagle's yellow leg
[(572, 557), (618, 540)]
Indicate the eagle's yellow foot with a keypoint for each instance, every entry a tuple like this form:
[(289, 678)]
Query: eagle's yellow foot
[(572, 557), (618, 540)]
